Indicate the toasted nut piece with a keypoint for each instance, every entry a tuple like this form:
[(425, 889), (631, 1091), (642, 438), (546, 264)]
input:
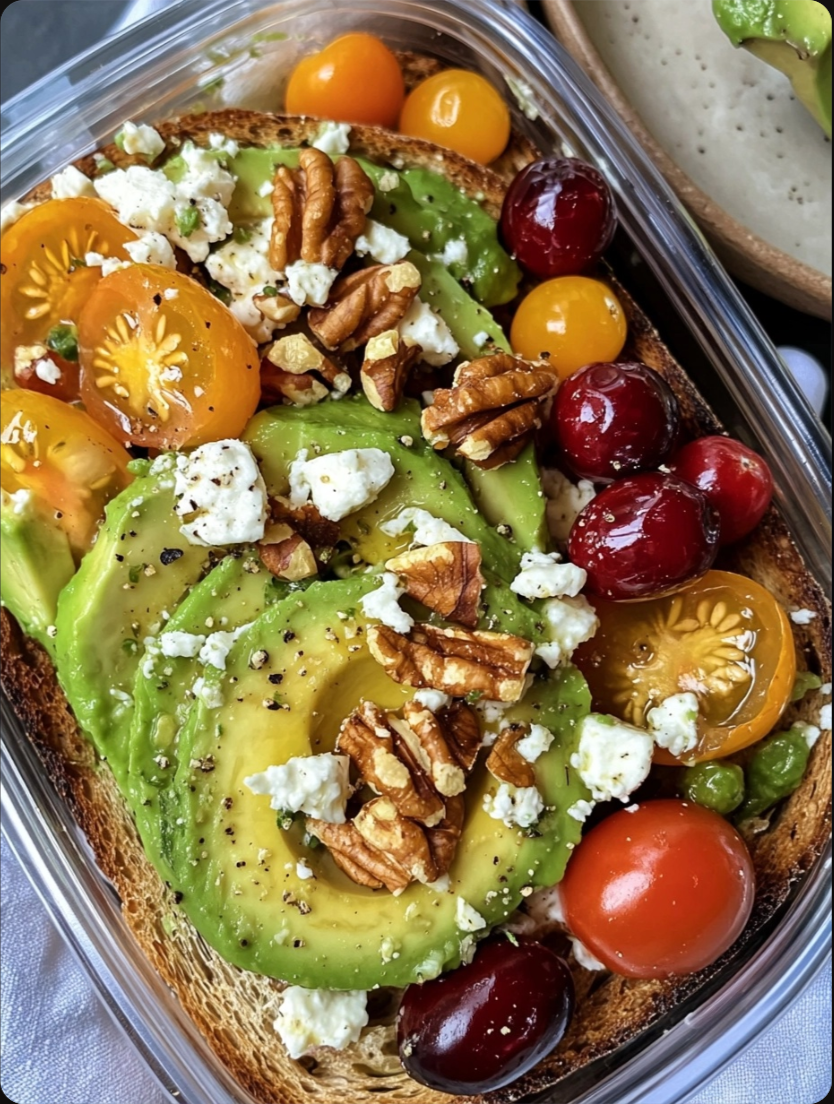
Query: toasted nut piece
[(385, 760), (462, 731), (277, 308), (456, 661), (506, 763), (364, 305), (444, 838), (295, 355), (277, 385), (445, 577), (443, 767), (362, 863), (318, 531), (388, 360), (291, 559), (399, 839), (319, 210), (495, 404)]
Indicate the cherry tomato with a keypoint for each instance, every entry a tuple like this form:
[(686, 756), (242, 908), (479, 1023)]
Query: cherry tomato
[(57, 377), (736, 481), (571, 321), (461, 111), (66, 460), (659, 891), (614, 419), (165, 370), (485, 1024), (355, 79), (644, 536), (724, 638), (44, 279), (558, 217)]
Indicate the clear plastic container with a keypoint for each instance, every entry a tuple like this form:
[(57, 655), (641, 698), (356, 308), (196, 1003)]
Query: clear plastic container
[(219, 53)]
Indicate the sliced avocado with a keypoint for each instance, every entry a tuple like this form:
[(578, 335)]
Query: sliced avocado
[(464, 317), (793, 36), (511, 496), (37, 564), (239, 883), (138, 570), (422, 478)]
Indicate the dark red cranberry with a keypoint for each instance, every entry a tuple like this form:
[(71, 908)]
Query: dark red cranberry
[(558, 217), (483, 1025), (736, 481), (613, 420), (644, 536)]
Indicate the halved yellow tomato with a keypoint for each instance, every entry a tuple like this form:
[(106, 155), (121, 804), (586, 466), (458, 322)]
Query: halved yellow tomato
[(725, 638), (163, 363), (69, 463), (43, 278)]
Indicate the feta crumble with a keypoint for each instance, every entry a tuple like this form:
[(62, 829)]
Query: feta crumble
[(455, 251), (20, 501), (825, 717), (613, 758), (317, 785), (581, 810), (674, 723), (151, 248), (424, 327), (428, 529), (583, 956), (339, 482), (467, 918), (570, 622), (388, 181), (535, 743), (70, 183), (11, 212), (303, 871), (142, 139), (309, 284), (516, 806), (565, 501), (311, 1018), (332, 139), (209, 693), (810, 732), (433, 700), (243, 267), (383, 244), (220, 494), (802, 616), (543, 576), (217, 645), (184, 645), (382, 604), (47, 371)]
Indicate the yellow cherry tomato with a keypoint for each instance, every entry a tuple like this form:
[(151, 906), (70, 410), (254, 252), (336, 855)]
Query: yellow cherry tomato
[(459, 110), (356, 79), (724, 638), (571, 321), (69, 463), (163, 363), (43, 278)]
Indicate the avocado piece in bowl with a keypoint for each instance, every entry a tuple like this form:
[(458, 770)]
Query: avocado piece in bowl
[(793, 36), (241, 885)]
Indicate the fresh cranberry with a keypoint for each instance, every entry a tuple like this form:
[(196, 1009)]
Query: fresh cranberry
[(736, 481), (483, 1025), (644, 536), (613, 420), (558, 217)]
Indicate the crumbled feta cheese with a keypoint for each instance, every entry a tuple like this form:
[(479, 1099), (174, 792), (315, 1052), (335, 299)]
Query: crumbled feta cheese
[(217, 646), (176, 644), (339, 482), (384, 244), (424, 327), (581, 810), (613, 758), (826, 688), (802, 616), (244, 268), (173, 293), (523, 95), (47, 370), (565, 501), (546, 905), (311, 1018), (107, 264), (332, 139), (455, 251), (11, 212), (227, 146), (583, 956), (388, 181), (70, 183), (810, 731), (433, 700), (317, 785), (521, 806), (467, 918), (543, 576), (440, 885), (825, 717), (309, 284), (303, 871), (266, 189), (220, 494), (17, 430), (209, 694), (428, 529), (151, 248), (674, 723), (480, 338), (535, 743), (382, 604), (20, 501), (492, 711), (142, 139), (570, 622)]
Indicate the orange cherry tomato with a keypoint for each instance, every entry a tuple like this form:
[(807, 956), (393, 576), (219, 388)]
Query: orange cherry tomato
[(725, 638), (163, 363), (69, 463), (43, 278), (459, 110), (356, 79), (571, 321), (58, 378)]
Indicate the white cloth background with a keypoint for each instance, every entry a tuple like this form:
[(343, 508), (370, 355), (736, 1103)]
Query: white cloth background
[(59, 1045)]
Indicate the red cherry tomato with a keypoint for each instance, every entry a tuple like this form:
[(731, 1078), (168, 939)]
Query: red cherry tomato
[(660, 891), (485, 1024), (736, 481)]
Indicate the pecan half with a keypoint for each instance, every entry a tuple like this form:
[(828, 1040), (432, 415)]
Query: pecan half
[(291, 558), (507, 764), (362, 863), (319, 210), (364, 305), (462, 732), (491, 411), (444, 838), (277, 308), (318, 531), (388, 361), (456, 661), (400, 840), (289, 367), (445, 577), (443, 767)]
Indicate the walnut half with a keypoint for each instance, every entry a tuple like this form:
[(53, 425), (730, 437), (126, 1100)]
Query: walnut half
[(445, 577), (364, 305), (295, 370), (388, 360)]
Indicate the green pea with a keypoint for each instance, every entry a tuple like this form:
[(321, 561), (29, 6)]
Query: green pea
[(715, 785), (774, 772)]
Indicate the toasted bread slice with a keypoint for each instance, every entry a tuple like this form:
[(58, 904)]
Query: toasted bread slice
[(234, 1009)]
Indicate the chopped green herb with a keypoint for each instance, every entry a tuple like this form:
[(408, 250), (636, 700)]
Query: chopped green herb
[(285, 818), (139, 466), (269, 290), (242, 235), (104, 165), (63, 340), (513, 938), (77, 262), (188, 221), (311, 841), (220, 292), (119, 140), (474, 695), (130, 646), (135, 572)]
